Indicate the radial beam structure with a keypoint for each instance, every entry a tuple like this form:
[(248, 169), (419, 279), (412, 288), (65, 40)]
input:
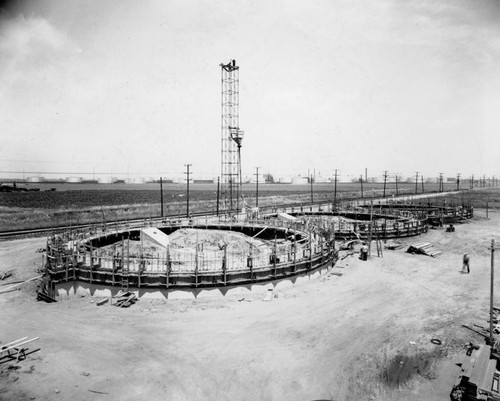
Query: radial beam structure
[(231, 139)]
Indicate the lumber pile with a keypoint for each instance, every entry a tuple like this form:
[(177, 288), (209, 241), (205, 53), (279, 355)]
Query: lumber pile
[(478, 378), (123, 299), (423, 248)]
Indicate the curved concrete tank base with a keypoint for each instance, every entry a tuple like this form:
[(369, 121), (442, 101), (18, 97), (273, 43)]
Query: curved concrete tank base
[(65, 290)]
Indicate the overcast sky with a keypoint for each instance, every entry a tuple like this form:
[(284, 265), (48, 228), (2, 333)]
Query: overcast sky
[(135, 86)]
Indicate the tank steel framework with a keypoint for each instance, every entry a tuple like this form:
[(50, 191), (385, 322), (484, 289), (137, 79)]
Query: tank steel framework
[(231, 139)]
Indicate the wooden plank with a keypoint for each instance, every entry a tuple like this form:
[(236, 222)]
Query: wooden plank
[(13, 342), (480, 366), (487, 381), (102, 302), (15, 286), (27, 341), (18, 347)]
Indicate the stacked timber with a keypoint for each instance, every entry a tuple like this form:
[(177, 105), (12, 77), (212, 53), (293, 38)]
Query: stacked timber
[(478, 379), (423, 248), (124, 299)]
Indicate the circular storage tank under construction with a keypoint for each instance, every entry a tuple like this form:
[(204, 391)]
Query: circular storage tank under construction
[(186, 255)]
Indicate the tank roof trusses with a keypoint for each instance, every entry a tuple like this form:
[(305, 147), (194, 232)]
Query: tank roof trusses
[(231, 139)]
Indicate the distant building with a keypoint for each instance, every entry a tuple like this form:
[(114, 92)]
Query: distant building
[(285, 180), (268, 178)]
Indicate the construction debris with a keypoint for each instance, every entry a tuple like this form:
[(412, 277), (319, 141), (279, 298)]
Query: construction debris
[(393, 244), (6, 274), (124, 299), (423, 248), (16, 349), (42, 296), (348, 245)]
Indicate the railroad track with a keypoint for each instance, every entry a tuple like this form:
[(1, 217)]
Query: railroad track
[(133, 223)]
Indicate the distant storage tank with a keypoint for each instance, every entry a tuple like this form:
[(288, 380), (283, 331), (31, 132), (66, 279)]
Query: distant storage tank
[(300, 180), (34, 179), (320, 180), (105, 180), (285, 180), (74, 180), (135, 181)]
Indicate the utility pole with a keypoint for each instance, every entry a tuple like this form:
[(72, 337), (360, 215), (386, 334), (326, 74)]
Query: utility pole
[(416, 182), (472, 182), (385, 182), (311, 179), (187, 196), (257, 188), (397, 189), (458, 181), (161, 196), (491, 288), (441, 186), (361, 182), (422, 179), (335, 192)]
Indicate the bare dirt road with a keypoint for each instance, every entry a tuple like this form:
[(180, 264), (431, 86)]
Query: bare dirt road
[(364, 335)]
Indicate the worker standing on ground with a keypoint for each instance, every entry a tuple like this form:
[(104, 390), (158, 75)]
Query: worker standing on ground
[(363, 252), (466, 264)]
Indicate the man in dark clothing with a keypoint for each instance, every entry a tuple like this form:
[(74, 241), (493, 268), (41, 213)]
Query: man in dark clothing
[(466, 264)]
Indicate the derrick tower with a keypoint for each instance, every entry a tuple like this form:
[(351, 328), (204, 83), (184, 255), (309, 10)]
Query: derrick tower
[(232, 139)]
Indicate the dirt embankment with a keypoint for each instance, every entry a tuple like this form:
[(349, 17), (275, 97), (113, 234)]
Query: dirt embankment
[(362, 335)]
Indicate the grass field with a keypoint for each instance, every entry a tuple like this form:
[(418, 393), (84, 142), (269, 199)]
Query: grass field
[(84, 203)]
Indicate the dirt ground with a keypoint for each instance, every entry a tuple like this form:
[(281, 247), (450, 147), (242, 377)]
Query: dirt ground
[(361, 335)]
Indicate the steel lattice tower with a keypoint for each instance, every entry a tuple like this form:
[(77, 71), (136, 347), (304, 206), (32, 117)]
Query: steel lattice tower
[(231, 138)]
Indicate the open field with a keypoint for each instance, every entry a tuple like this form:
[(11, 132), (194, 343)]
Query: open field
[(364, 335), (82, 203)]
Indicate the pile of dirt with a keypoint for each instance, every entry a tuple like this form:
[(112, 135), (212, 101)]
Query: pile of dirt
[(210, 240)]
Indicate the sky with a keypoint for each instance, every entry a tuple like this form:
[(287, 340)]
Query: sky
[(134, 87)]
